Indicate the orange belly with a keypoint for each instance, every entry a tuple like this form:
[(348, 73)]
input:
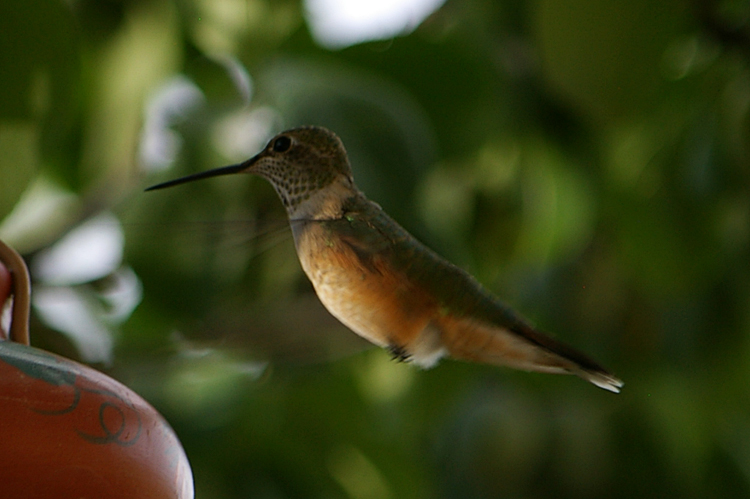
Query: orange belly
[(369, 297)]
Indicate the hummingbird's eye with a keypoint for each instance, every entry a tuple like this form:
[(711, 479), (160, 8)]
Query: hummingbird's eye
[(282, 144)]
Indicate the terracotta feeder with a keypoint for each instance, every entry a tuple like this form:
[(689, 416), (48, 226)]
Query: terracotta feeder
[(69, 431)]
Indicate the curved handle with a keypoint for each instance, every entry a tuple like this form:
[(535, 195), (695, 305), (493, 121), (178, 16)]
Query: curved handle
[(21, 291)]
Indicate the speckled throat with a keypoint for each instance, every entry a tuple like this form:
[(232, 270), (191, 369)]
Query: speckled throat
[(293, 185)]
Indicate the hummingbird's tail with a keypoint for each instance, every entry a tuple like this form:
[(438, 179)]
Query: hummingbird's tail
[(522, 348)]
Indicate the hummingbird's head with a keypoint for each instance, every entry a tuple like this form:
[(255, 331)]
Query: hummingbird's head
[(299, 163)]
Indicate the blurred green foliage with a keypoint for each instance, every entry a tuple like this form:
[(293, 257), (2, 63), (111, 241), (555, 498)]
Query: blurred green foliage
[(588, 161)]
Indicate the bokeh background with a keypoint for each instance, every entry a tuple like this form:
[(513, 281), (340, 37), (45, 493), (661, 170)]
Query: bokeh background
[(588, 161)]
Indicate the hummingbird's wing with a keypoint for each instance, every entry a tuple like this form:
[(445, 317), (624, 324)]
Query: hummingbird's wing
[(471, 323)]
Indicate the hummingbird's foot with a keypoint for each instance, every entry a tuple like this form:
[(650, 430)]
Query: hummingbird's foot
[(398, 353)]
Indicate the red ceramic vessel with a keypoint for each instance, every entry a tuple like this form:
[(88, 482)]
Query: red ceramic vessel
[(69, 431)]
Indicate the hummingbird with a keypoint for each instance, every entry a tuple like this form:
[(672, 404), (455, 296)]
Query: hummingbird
[(380, 281)]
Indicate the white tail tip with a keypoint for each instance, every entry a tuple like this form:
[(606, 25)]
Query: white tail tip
[(605, 381)]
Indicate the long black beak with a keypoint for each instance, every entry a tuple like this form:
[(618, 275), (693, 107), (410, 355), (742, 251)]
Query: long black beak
[(225, 170)]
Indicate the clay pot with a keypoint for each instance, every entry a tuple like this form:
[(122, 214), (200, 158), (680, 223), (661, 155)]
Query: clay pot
[(68, 431)]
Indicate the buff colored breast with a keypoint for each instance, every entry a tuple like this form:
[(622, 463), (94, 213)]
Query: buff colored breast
[(368, 297)]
